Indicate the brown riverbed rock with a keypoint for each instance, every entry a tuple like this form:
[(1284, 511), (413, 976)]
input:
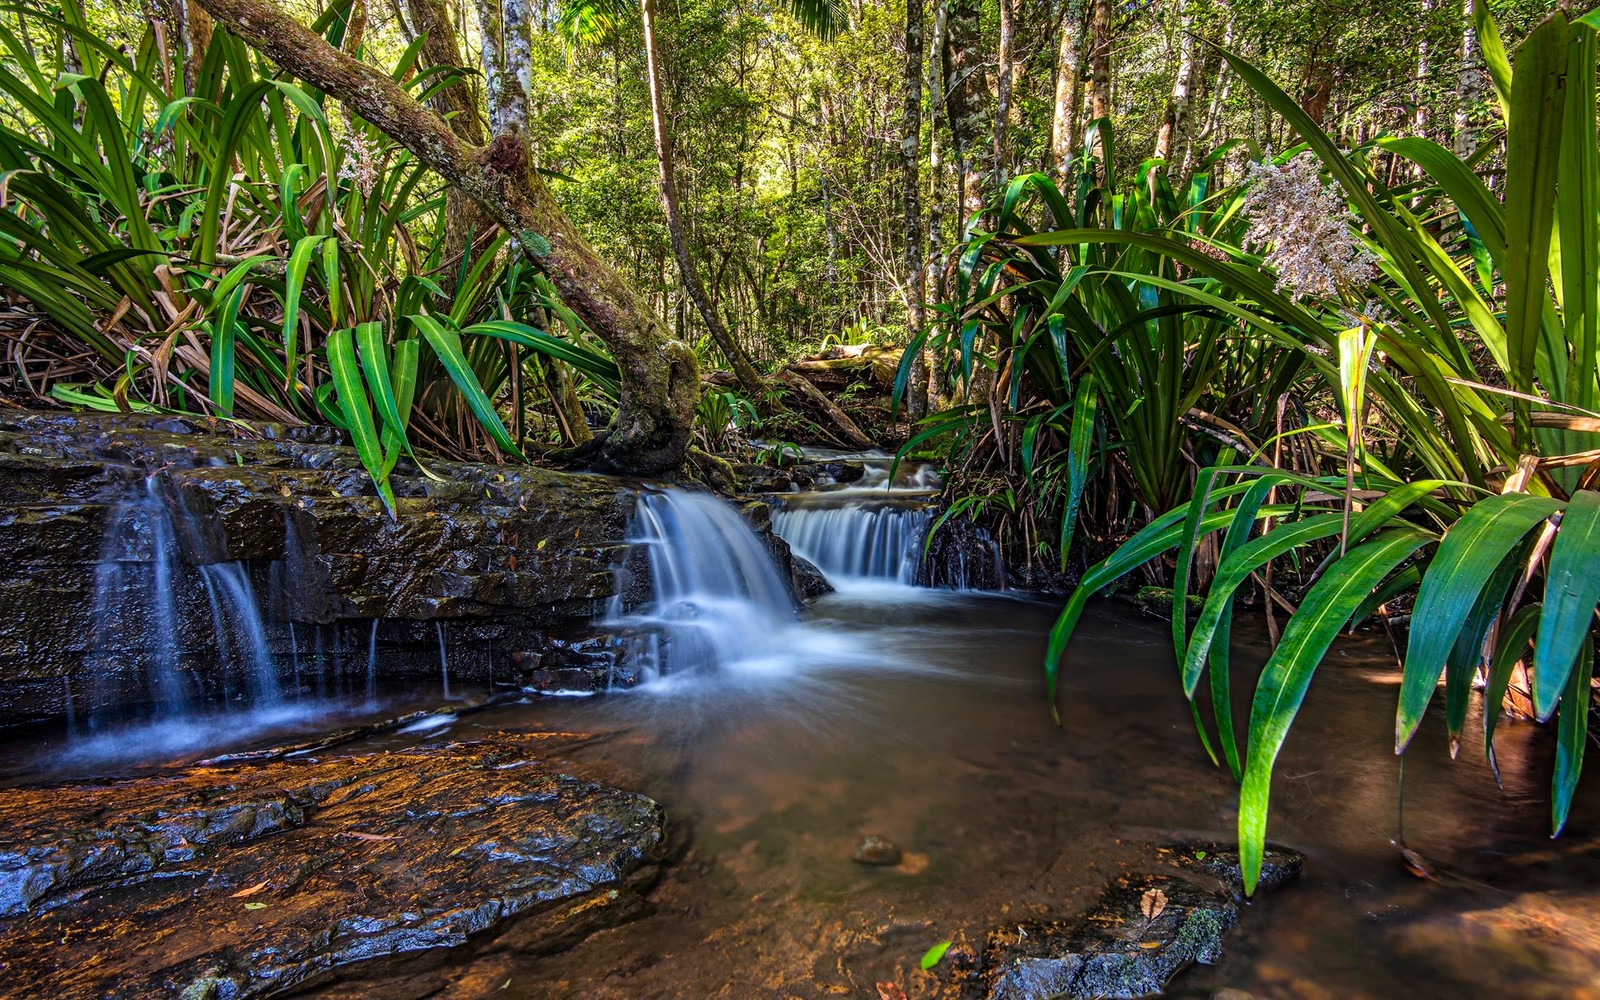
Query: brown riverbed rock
[(251, 879)]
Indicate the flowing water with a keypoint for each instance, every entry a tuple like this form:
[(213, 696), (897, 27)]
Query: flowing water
[(927, 725), (776, 738), (869, 530), (138, 651)]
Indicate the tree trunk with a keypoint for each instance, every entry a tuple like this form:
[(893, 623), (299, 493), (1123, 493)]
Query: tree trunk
[(743, 370), (194, 36), (916, 252), (910, 164), (936, 115), (1100, 67), (1175, 123), (1066, 121), (1002, 92), (965, 100), (1469, 84), (355, 28), (660, 381)]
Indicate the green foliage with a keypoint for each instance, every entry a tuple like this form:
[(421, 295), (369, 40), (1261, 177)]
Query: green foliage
[(249, 253), (1518, 277)]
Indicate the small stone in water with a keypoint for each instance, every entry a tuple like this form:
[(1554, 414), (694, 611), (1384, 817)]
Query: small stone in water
[(876, 850)]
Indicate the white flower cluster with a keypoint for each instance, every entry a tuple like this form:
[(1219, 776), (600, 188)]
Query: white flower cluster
[(1305, 225), (360, 161)]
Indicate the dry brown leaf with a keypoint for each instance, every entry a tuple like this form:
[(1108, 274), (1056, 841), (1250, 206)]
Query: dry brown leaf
[(1153, 903), (890, 991), (242, 893)]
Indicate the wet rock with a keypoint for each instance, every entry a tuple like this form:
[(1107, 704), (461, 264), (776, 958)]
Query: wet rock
[(584, 665), (877, 851), (1141, 932), (809, 581), (251, 879), (498, 558), (757, 479)]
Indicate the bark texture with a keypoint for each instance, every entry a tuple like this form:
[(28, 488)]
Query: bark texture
[(916, 251), (1065, 122), (1173, 134), (660, 381), (1100, 60)]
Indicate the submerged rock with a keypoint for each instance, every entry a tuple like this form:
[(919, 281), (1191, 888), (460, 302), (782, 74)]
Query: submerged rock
[(1139, 934), (876, 850), (252, 879)]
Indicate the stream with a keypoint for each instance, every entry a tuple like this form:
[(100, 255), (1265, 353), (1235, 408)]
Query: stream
[(776, 743)]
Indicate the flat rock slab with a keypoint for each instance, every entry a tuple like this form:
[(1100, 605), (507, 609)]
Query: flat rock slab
[(1141, 932), (250, 879)]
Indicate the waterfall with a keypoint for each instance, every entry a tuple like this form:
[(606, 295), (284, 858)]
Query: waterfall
[(444, 661), (135, 606), (140, 635), (882, 543), (372, 665), (718, 597)]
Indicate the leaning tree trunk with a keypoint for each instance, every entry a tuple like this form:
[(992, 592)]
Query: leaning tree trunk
[(743, 370), (660, 381)]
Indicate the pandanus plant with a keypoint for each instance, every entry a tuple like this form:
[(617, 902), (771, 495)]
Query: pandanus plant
[(244, 252), (1489, 312)]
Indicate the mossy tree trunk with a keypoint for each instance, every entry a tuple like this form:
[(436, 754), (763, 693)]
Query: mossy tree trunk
[(660, 380)]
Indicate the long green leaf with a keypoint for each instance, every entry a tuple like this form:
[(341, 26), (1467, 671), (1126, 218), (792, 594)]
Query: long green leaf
[(1571, 591), (1306, 637), (1572, 733), (446, 343), (357, 410), (1469, 554)]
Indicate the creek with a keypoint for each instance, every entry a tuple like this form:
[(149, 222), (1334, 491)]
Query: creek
[(777, 737)]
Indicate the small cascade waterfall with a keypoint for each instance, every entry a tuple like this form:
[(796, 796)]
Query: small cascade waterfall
[(372, 664), (719, 598), (856, 541), (141, 589), (135, 604), (444, 662), (870, 530)]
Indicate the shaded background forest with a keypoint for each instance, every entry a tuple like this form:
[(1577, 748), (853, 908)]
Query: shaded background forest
[(790, 149)]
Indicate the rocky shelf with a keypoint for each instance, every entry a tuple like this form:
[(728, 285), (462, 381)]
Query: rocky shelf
[(252, 879)]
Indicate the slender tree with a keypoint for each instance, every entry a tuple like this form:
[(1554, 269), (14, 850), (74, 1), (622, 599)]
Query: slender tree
[(966, 98), (915, 236), (1066, 121), (1099, 82), (688, 272), (1173, 133)]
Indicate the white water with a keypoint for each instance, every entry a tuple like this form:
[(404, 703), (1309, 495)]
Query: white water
[(139, 583), (719, 603), (855, 541), (372, 665), (869, 531)]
